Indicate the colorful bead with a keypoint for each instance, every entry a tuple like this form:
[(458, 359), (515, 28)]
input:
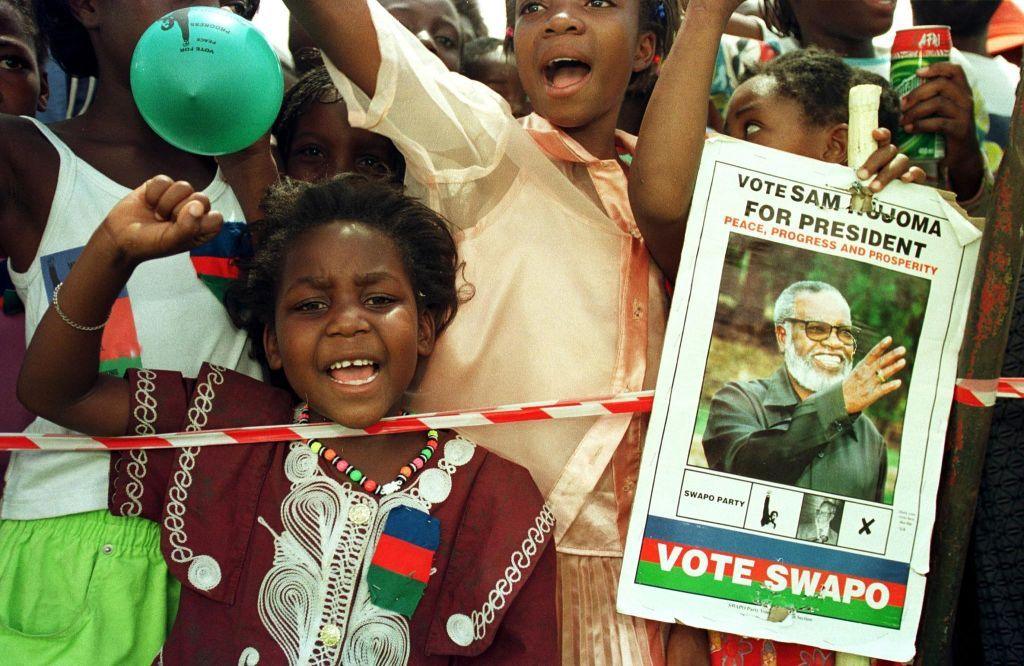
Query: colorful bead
[(357, 476)]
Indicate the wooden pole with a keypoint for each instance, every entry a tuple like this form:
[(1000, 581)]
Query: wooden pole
[(981, 357)]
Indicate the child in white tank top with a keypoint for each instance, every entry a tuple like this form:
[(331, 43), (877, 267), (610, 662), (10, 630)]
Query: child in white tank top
[(76, 584)]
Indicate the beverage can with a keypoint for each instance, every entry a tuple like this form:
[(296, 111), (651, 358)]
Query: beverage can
[(912, 49)]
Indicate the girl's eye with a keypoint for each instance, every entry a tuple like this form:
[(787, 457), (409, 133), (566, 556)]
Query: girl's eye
[(530, 8), (311, 150), (379, 301), (13, 63), (599, 3), (311, 306), (750, 129), (446, 42), (372, 165), (240, 7)]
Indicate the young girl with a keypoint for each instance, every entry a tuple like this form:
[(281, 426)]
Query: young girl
[(23, 91), (380, 550), (567, 302), (797, 104), (314, 142)]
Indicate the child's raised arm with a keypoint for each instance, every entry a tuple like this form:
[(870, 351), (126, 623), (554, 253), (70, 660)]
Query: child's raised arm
[(60, 377), (671, 138), (345, 34), (250, 173)]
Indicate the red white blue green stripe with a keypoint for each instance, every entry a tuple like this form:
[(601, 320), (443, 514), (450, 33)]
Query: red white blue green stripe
[(401, 565)]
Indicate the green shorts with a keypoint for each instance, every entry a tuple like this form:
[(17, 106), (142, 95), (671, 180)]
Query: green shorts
[(88, 588)]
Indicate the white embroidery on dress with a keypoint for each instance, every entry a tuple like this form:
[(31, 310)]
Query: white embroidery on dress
[(456, 453), (521, 560), (316, 561), (174, 521), (204, 572), (321, 559), (377, 636), (250, 657), (145, 417)]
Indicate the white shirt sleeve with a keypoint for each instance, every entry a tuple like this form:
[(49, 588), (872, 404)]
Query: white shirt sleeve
[(449, 128)]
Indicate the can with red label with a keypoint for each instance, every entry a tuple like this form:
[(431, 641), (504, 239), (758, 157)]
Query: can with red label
[(912, 49)]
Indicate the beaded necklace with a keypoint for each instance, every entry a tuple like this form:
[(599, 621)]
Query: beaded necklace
[(356, 476)]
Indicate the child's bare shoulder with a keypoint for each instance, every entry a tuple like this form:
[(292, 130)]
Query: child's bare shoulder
[(29, 166), (21, 143)]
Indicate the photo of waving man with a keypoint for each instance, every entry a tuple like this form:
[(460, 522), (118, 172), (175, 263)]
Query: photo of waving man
[(804, 425)]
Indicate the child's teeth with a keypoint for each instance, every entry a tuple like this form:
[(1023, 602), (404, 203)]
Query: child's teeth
[(358, 363)]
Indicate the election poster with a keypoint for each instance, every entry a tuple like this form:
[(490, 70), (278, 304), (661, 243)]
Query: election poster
[(791, 466)]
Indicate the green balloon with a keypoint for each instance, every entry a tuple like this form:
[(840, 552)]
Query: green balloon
[(206, 80)]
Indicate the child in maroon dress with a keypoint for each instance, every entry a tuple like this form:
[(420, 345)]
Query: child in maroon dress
[(294, 552)]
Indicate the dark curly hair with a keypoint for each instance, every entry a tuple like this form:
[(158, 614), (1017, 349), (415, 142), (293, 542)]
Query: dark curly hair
[(69, 40), (660, 17), (28, 25), (819, 81), (315, 87), (293, 208)]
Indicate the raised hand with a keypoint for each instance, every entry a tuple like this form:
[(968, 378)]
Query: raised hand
[(872, 379), (159, 218), (887, 164), (944, 104)]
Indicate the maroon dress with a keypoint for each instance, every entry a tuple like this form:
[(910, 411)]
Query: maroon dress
[(274, 550)]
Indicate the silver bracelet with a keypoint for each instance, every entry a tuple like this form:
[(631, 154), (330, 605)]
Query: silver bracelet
[(68, 320)]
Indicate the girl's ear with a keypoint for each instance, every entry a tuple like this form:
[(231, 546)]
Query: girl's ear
[(835, 145), (643, 56), (426, 334), (271, 347)]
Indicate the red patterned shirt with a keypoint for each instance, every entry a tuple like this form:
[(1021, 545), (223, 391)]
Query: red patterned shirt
[(273, 549)]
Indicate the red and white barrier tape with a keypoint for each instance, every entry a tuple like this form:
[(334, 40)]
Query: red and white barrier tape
[(1011, 387), (973, 392), (625, 403), (984, 392)]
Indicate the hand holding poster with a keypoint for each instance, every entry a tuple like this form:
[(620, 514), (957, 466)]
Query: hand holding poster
[(791, 467)]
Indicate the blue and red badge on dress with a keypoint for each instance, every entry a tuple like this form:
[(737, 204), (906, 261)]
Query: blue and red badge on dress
[(401, 565), (216, 262)]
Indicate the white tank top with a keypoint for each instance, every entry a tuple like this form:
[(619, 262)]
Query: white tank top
[(178, 324)]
